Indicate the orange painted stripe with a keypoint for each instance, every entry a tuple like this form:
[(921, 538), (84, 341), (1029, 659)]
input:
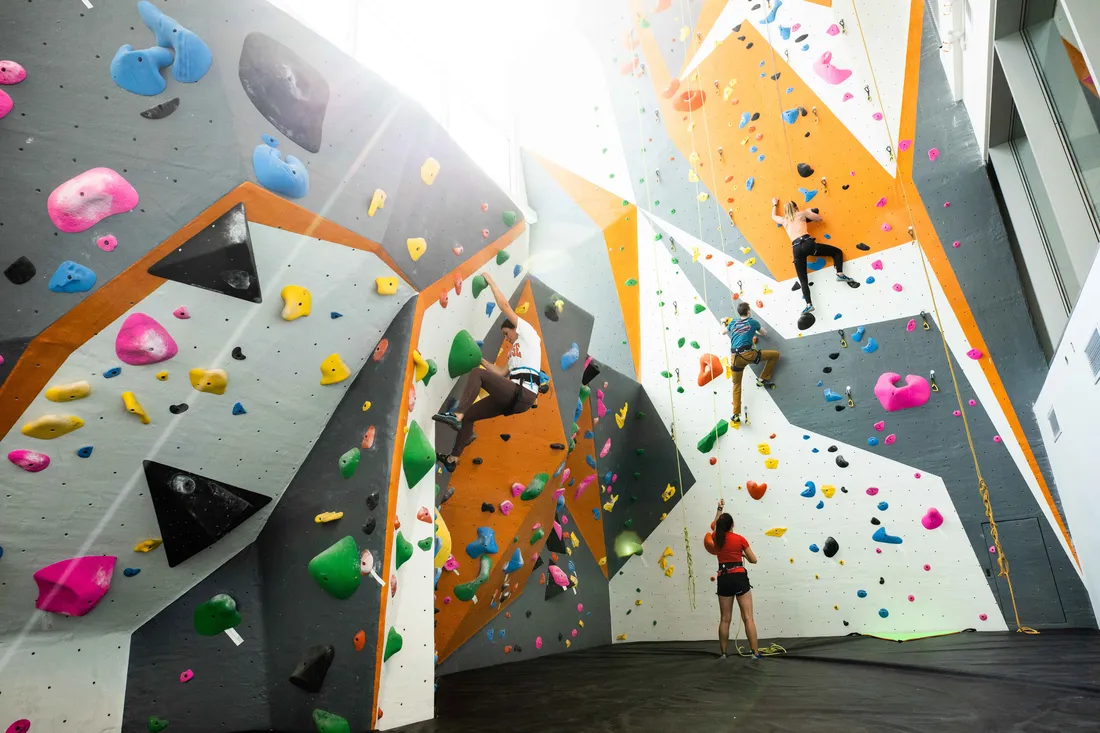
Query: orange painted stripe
[(619, 221), (937, 258)]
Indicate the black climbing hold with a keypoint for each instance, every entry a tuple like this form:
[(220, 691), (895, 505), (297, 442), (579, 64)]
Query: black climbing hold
[(178, 409), (162, 110), (478, 461), (846, 187), (806, 135), (828, 370), (802, 111), (551, 312), (882, 581), (505, 437), (217, 258), (310, 673), (802, 38), (806, 320), (841, 462), (776, 75), (538, 563), (557, 446), (20, 271), (285, 88), (590, 372), (834, 355), (193, 511), (748, 45), (815, 210), (369, 525), (864, 247), (839, 408), (796, 287), (832, 449), (805, 170), (843, 490), (372, 501), (559, 636), (845, 623), (755, 116), (447, 494), (737, 28), (517, 649), (831, 547), (528, 614), (487, 507), (237, 353), (874, 521)]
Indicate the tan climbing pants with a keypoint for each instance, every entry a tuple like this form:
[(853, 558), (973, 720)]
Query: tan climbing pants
[(738, 362)]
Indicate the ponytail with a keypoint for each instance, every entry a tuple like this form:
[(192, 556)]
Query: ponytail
[(723, 525)]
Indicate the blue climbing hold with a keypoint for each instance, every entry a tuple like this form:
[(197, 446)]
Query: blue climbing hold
[(883, 506), (588, 434), (815, 264), (808, 194), (828, 236), (112, 372), (785, 33), (820, 383), (287, 177), (753, 149), (820, 504), (334, 315), (805, 47), (790, 89), (516, 271), (805, 437), (750, 183), (238, 409), (815, 548), (760, 158), (569, 358), (810, 489), (837, 317), (193, 56), (138, 71), (790, 116), (131, 572), (85, 452), (489, 308), (561, 503), (501, 634), (480, 343), (489, 633), (485, 544), (771, 15), (883, 612), (871, 346), (881, 536), (831, 396), (872, 442), (607, 477), (590, 461), (861, 593), (745, 119), (870, 280), (596, 512), (858, 335), (72, 278), (814, 450), (515, 563), (1, 551)]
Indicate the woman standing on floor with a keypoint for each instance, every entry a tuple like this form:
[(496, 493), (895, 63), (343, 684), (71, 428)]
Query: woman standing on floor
[(733, 582)]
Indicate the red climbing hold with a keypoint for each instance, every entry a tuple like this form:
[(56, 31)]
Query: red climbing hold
[(710, 368), (671, 89), (756, 491), (380, 350), (690, 100)]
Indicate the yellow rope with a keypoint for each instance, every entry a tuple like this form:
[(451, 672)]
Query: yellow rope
[(983, 489), (765, 651)]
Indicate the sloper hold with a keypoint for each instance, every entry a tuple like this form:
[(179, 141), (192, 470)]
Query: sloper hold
[(297, 302), (334, 370), (485, 544), (192, 56), (465, 354), (286, 176), (211, 381), (137, 70), (71, 277), (68, 392), (87, 199), (49, 427), (418, 457), (310, 673), (73, 587), (478, 285), (394, 642), (336, 569), (216, 615), (218, 258), (142, 341), (29, 460), (284, 88), (349, 462), (193, 511), (535, 487), (326, 722)]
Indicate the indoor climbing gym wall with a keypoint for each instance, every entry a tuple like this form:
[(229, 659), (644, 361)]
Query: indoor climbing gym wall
[(223, 241)]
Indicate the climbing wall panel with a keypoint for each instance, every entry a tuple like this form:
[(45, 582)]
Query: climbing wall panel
[(568, 332), (585, 503)]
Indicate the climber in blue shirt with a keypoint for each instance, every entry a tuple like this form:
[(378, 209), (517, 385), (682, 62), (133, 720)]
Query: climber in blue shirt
[(743, 332)]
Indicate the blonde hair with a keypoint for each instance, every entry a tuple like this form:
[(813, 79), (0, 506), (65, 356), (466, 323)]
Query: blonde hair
[(790, 211)]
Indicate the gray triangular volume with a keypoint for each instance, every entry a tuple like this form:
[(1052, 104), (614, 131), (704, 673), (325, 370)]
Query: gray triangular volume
[(218, 258)]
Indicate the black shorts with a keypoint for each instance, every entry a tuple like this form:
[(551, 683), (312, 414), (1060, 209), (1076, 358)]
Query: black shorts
[(733, 584)]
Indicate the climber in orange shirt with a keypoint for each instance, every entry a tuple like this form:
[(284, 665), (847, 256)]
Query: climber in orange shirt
[(733, 582)]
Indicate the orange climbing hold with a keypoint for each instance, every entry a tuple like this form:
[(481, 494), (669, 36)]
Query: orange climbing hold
[(710, 368), (368, 439), (690, 100), (756, 491), (380, 350), (360, 640)]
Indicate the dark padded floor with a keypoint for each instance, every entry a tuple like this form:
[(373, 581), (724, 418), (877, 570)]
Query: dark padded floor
[(963, 682)]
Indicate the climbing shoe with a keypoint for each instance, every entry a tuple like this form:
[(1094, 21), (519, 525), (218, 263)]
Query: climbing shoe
[(765, 383), (736, 419), (841, 277), (757, 655), (449, 465), (809, 308), (448, 419)]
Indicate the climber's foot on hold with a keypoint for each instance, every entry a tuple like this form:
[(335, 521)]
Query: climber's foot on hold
[(765, 383), (449, 419), (841, 277), (736, 419), (449, 462), (809, 308)]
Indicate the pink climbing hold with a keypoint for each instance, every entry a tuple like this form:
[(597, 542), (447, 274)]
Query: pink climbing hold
[(890, 439), (881, 202), (876, 265), (975, 354), (82, 202), (831, 74), (73, 587), (956, 413), (912, 598), (584, 484), (931, 520), (451, 565), (20, 726), (796, 26), (897, 287), (182, 313), (506, 507), (933, 153), (11, 72), (6, 105), (972, 402), (559, 492), (947, 204), (878, 550), (873, 491), (538, 642), (880, 425), (107, 242), (847, 96), (886, 227), (29, 460), (517, 489), (142, 341), (558, 576), (955, 244), (877, 116), (982, 616), (484, 233), (580, 607), (992, 549), (446, 600), (186, 675), (601, 408), (911, 326), (996, 439), (833, 30), (914, 393), (565, 476), (904, 145), (606, 449), (927, 567), (574, 633), (916, 475), (557, 530)]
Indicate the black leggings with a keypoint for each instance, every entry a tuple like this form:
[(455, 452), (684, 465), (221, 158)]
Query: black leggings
[(804, 247)]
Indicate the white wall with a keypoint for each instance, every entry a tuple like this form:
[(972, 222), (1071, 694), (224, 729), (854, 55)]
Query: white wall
[(970, 79), (1074, 395)]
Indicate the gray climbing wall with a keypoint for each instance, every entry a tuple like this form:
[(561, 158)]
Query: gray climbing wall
[(573, 326)]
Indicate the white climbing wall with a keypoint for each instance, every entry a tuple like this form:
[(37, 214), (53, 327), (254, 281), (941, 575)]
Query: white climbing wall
[(407, 680), (104, 500)]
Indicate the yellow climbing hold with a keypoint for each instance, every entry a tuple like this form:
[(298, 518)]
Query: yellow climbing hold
[(693, 177), (213, 381), (148, 545), (620, 637), (68, 392), (669, 492), (638, 602), (694, 254), (685, 33), (771, 463), (726, 94), (580, 622), (297, 302), (522, 308), (420, 366), (49, 427), (417, 247), (610, 504), (567, 644), (746, 250), (694, 158), (429, 171), (764, 449), (134, 407), (828, 490), (366, 405), (162, 376), (703, 196), (573, 539), (669, 571), (767, 290), (378, 201), (776, 532), (603, 561), (750, 262), (620, 416), (663, 561), (386, 285), (326, 517), (333, 370)]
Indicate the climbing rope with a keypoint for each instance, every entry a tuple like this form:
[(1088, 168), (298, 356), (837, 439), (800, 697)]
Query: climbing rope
[(983, 488), (771, 650), (778, 97)]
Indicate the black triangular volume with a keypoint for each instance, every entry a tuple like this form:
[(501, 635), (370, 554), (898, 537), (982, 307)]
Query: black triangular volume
[(538, 563), (193, 511), (218, 258), (554, 543), (553, 590)]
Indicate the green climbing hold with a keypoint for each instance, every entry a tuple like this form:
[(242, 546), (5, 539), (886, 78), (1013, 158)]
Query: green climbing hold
[(425, 544), (537, 535), (699, 308), (394, 642), (628, 523), (625, 202), (326, 722), (639, 415), (466, 591), (576, 428), (465, 354), (681, 342), (611, 176), (478, 284), (707, 442), (666, 374), (336, 569), (675, 261), (433, 369), (631, 282), (640, 451), (538, 483), (695, 344), (157, 724), (604, 151), (658, 237), (628, 543), (404, 549), (584, 392), (215, 616), (643, 23), (349, 462), (502, 257), (418, 456), (673, 211), (510, 218), (637, 474), (572, 445), (680, 389)]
